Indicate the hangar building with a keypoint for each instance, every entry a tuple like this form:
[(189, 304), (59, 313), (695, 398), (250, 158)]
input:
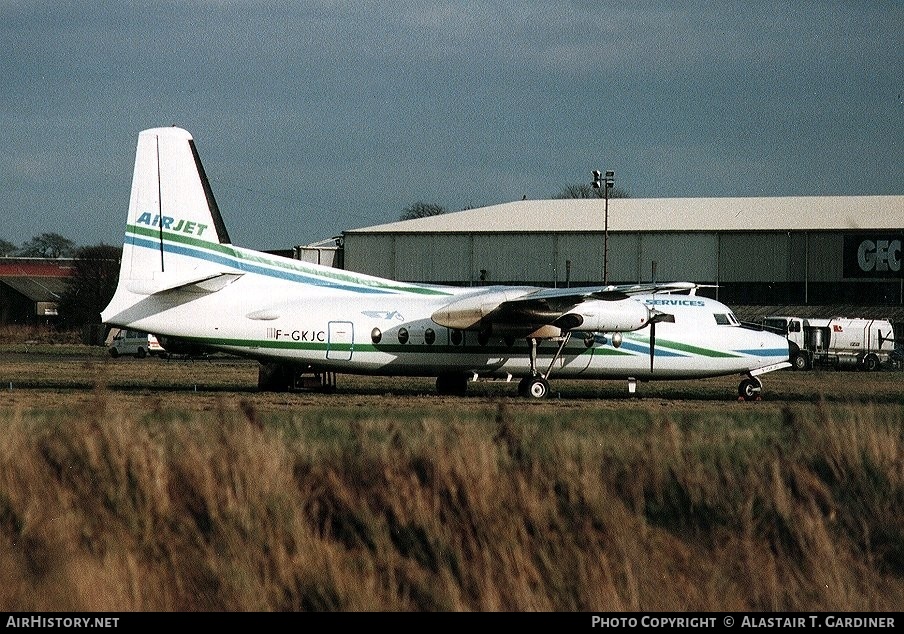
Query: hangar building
[(30, 288), (833, 254)]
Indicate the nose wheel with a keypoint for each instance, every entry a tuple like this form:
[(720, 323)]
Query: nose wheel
[(750, 389)]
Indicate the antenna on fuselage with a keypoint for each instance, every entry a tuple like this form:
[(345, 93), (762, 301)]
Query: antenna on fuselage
[(159, 202)]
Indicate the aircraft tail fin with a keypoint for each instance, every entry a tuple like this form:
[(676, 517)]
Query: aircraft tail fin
[(173, 214), (174, 230)]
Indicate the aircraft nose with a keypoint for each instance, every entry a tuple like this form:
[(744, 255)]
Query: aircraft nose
[(793, 350)]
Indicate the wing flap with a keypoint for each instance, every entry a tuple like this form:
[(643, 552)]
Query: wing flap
[(468, 312)]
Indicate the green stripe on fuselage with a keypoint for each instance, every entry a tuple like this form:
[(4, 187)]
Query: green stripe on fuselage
[(243, 256), (683, 347), (398, 348), (500, 349)]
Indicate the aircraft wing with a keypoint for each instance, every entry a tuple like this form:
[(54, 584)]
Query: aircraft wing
[(613, 292), (606, 308)]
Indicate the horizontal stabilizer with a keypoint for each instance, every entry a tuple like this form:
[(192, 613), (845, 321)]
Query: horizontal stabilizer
[(203, 283)]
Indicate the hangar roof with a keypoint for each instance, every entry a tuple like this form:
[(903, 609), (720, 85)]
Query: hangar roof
[(37, 289), (38, 279), (789, 213)]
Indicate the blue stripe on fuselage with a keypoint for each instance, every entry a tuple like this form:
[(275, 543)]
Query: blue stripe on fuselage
[(660, 351), (247, 267), (645, 349), (767, 352)]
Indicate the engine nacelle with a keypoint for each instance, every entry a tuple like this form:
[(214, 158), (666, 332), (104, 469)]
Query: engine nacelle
[(623, 315)]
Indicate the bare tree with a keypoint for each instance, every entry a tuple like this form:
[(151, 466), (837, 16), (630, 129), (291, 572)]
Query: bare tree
[(7, 249), (586, 190), (47, 245), (94, 279), (422, 210)]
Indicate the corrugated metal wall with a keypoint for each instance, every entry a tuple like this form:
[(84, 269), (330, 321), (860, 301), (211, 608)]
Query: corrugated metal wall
[(755, 257), (373, 254), (557, 259), (679, 256), (520, 257), (431, 257), (823, 263)]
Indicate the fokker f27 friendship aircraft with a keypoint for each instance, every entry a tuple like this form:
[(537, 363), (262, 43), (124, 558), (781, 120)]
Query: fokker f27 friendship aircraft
[(182, 279)]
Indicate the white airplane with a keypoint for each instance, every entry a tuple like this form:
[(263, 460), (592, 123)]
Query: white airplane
[(182, 279)]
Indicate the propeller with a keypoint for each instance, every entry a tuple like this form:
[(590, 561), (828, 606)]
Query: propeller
[(656, 316), (652, 343)]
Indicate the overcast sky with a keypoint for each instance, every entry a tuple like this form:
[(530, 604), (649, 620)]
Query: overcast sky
[(315, 117)]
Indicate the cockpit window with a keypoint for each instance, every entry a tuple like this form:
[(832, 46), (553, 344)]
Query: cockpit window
[(726, 319)]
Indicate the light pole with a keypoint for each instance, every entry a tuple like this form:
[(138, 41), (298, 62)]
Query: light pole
[(604, 185)]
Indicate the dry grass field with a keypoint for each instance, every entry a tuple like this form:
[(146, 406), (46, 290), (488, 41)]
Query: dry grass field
[(164, 485)]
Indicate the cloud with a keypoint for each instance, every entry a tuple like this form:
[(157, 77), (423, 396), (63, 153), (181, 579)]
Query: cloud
[(314, 117)]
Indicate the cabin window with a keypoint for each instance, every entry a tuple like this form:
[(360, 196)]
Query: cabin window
[(403, 335), (721, 319), (376, 335), (455, 337), (429, 336), (483, 338)]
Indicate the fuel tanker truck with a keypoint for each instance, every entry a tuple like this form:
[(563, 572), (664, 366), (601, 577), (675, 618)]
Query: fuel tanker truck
[(839, 342)]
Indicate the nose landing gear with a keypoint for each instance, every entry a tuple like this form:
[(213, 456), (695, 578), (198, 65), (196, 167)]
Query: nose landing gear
[(749, 389)]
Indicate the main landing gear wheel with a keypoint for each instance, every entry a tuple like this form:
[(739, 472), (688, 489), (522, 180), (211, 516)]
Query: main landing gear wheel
[(536, 385), (533, 386), (749, 389)]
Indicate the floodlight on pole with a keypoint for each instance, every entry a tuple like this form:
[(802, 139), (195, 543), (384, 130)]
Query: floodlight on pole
[(604, 185)]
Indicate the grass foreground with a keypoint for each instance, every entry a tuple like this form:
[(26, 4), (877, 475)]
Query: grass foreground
[(497, 506)]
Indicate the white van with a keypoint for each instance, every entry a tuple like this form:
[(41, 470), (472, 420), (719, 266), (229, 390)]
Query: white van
[(135, 343)]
